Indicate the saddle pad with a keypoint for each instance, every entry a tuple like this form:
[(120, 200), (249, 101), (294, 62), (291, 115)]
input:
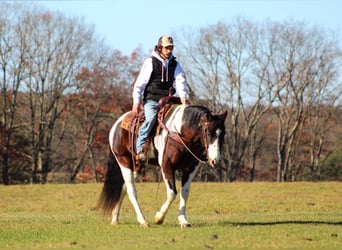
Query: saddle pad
[(125, 124)]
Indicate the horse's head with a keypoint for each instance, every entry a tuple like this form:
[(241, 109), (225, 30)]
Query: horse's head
[(206, 129), (213, 131)]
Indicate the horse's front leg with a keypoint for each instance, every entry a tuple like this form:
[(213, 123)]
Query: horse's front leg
[(171, 193), (129, 177), (186, 183)]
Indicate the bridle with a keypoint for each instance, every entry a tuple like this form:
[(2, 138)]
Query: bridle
[(204, 130), (178, 137)]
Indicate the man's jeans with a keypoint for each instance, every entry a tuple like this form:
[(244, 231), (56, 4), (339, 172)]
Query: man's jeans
[(151, 110)]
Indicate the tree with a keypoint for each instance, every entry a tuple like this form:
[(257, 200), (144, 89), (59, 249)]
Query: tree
[(41, 55), (323, 98), (225, 62), (103, 94), (13, 61), (58, 47), (330, 168), (305, 69), (62, 89), (249, 68)]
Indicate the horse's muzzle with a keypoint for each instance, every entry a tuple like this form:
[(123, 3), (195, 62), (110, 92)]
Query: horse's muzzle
[(214, 162)]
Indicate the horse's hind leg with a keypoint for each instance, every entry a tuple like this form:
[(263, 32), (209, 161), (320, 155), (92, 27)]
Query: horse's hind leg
[(186, 183), (116, 209), (129, 177)]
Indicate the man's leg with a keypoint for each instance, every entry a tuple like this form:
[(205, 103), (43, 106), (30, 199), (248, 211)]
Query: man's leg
[(151, 110)]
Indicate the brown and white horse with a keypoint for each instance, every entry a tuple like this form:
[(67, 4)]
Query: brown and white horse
[(191, 134)]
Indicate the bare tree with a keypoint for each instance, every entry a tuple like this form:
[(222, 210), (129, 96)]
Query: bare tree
[(58, 47), (13, 61), (44, 52), (298, 66), (323, 98), (249, 68), (229, 70), (104, 93), (61, 89), (41, 55)]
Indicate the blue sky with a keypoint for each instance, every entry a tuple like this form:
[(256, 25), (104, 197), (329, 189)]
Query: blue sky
[(127, 24)]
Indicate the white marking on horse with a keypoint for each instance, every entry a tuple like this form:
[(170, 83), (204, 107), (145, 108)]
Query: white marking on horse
[(214, 153), (129, 184), (174, 123), (113, 129), (131, 190), (183, 221), (170, 197)]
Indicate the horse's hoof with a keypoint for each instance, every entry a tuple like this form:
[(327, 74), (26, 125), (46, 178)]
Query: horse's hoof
[(145, 225), (114, 223), (185, 225), (158, 221)]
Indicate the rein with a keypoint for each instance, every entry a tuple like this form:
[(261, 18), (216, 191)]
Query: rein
[(187, 148), (180, 139)]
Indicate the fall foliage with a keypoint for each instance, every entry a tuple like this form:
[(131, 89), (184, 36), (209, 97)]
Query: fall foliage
[(62, 89)]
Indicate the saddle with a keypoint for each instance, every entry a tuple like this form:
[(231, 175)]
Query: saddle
[(132, 123)]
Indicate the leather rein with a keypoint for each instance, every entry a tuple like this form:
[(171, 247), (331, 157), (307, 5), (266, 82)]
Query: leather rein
[(178, 138)]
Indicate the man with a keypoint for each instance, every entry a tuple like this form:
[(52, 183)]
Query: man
[(158, 74)]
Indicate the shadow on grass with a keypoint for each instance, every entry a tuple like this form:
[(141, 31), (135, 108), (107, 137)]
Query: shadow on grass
[(271, 223)]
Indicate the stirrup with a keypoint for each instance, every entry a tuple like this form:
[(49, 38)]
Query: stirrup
[(140, 158)]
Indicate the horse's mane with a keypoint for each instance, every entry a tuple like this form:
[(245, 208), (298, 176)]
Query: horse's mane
[(194, 114)]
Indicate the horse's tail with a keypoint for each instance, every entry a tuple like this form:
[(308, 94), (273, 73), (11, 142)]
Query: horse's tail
[(112, 187)]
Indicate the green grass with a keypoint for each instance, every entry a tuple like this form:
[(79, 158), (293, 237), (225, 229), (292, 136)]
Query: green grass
[(297, 215)]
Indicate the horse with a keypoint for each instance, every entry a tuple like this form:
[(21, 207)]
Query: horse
[(188, 135)]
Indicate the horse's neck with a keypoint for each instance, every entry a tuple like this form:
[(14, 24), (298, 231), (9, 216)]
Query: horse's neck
[(176, 125), (174, 121)]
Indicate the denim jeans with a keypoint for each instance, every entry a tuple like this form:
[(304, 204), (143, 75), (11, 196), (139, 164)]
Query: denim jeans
[(151, 110)]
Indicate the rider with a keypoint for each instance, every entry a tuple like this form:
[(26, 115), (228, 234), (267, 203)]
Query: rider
[(158, 74)]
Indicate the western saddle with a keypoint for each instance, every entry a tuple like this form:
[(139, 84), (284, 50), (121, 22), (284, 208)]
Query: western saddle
[(132, 123)]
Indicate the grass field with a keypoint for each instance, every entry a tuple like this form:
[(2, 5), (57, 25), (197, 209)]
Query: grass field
[(298, 215)]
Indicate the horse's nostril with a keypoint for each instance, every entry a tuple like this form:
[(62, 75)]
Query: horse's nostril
[(212, 162)]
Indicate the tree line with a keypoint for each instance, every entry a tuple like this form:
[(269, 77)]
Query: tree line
[(62, 88), (282, 85)]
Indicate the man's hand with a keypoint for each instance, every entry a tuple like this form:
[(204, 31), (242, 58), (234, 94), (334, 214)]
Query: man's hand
[(136, 108), (184, 101)]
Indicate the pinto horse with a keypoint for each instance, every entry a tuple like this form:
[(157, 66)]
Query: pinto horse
[(189, 135)]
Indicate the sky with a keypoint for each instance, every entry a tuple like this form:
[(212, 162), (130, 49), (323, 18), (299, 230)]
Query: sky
[(128, 24)]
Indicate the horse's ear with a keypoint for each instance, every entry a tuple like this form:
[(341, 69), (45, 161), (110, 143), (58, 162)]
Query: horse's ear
[(223, 116)]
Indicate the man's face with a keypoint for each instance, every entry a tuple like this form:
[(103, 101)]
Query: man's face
[(166, 52)]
